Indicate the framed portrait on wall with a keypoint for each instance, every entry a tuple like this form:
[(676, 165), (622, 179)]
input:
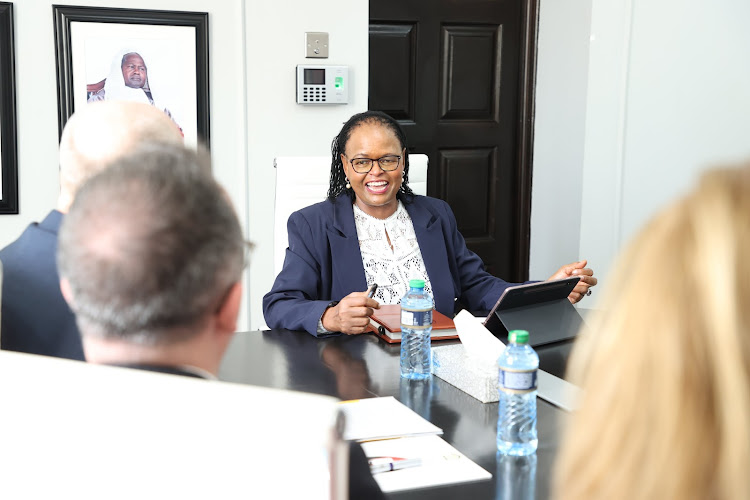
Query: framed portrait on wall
[(151, 56), (8, 144)]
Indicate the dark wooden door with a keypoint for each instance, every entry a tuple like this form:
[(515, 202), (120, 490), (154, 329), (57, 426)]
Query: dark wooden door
[(458, 75)]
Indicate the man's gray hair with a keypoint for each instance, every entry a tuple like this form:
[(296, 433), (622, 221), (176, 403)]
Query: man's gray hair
[(151, 246)]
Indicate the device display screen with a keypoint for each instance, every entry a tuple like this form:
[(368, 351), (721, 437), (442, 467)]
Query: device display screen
[(315, 77)]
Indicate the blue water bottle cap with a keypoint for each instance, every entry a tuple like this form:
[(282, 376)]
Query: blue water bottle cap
[(416, 283), (518, 336)]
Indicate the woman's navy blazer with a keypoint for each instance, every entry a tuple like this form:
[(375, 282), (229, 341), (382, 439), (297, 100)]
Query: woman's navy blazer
[(323, 263)]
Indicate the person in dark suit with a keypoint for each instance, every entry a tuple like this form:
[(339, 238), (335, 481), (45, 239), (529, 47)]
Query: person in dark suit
[(151, 256), (374, 229), (35, 318)]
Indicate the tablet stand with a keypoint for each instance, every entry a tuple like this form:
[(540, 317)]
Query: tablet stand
[(546, 322)]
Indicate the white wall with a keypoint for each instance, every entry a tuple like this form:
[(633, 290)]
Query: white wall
[(562, 73), (277, 126), (667, 98)]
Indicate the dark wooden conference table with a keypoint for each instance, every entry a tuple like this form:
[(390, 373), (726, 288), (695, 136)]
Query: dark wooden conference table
[(362, 366)]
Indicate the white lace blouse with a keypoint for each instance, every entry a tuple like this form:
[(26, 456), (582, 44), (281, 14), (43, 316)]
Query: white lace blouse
[(390, 265)]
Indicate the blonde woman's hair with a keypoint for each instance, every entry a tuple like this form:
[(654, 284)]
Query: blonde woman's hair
[(666, 365)]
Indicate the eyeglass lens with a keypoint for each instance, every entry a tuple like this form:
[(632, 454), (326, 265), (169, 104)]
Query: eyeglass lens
[(387, 163)]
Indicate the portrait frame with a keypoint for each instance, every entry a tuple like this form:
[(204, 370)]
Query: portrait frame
[(81, 30), (8, 139)]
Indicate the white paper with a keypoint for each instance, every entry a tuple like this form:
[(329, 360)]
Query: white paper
[(441, 463), (383, 418)]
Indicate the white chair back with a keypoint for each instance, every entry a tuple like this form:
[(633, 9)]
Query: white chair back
[(303, 180), (190, 438)]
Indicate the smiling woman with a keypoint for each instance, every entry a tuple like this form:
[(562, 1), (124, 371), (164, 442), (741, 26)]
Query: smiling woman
[(374, 229), (373, 169)]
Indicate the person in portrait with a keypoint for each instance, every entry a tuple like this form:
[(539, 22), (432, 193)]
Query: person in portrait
[(665, 368), (127, 81), (374, 229)]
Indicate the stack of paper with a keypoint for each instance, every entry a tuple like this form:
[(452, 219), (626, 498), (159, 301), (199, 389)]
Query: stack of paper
[(383, 418), (391, 432)]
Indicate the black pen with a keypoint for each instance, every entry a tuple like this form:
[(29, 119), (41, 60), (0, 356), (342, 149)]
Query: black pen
[(371, 290)]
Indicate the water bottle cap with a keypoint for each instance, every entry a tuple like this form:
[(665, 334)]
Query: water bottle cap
[(416, 283), (518, 336)]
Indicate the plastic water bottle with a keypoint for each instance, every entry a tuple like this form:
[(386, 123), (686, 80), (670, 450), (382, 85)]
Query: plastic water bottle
[(416, 325), (516, 423)]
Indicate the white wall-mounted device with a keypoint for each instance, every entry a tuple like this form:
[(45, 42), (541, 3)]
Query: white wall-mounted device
[(319, 84)]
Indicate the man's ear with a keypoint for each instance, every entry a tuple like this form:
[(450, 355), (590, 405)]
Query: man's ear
[(67, 291), (229, 309)]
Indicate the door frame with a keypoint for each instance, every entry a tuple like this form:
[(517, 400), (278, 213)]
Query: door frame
[(525, 129)]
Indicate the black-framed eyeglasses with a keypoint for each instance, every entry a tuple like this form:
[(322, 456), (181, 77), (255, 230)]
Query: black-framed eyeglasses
[(387, 163)]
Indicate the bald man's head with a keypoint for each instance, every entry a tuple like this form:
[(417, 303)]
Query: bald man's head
[(102, 132)]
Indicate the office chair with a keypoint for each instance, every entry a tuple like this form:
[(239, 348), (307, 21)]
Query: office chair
[(303, 180)]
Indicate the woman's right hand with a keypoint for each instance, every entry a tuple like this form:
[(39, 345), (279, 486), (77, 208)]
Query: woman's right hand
[(351, 315)]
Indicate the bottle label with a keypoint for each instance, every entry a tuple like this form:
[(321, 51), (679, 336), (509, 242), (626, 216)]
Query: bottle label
[(517, 381), (418, 320)]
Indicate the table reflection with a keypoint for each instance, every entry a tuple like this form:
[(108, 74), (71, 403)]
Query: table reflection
[(417, 395), (352, 377), (516, 477)]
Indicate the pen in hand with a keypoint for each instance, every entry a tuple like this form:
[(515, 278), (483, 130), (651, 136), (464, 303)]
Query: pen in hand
[(385, 464), (371, 290)]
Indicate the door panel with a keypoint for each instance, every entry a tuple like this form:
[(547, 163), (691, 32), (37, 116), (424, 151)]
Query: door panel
[(392, 88), (470, 73), (463, 170)]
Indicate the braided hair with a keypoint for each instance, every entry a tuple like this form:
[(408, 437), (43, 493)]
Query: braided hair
[(337, 183)]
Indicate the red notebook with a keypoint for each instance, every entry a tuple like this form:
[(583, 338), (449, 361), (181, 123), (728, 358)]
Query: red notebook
[(386, 324)]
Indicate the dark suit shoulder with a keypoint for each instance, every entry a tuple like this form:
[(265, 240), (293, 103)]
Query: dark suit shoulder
[(36, 238), (327, 215), (30, 285)]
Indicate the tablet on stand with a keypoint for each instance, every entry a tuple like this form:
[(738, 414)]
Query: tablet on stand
[(541, 308)]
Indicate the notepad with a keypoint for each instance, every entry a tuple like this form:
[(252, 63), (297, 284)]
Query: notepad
[(441, 463), (386, 324), (383, 418)]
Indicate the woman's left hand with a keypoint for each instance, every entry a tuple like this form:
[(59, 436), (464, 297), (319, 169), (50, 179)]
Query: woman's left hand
[(584, 285)]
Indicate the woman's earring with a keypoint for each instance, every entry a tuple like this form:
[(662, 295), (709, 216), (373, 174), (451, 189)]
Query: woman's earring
[(348, 186)]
